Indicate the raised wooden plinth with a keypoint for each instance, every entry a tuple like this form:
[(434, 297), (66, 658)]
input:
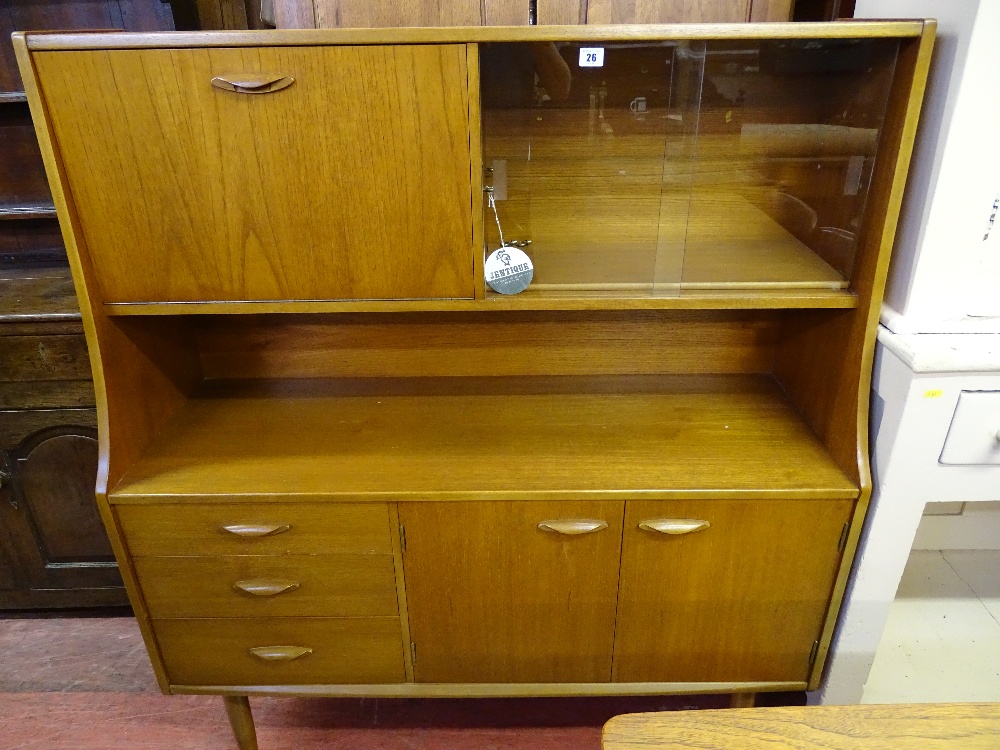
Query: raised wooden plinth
[(481, 438)]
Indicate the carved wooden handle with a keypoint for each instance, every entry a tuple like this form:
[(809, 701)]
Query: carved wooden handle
[(252, 83), (266, 586), (674, 525), (573, 526), (256, 529), (280, 653)]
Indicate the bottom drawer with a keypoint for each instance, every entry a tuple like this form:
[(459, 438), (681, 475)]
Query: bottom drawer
[(282, 651)]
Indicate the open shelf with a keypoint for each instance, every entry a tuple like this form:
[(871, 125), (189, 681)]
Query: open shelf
[(12, 97), (481, 438)]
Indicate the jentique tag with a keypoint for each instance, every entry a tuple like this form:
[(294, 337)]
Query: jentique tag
[(509, 270)]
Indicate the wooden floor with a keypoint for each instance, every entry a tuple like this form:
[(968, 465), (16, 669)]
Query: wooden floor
[(86, 684)]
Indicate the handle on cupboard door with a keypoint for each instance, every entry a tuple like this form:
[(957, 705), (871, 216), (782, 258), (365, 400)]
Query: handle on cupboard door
[(280, 653), (266, 586), (674, 526), (253, 530), (252, 83), (573, 526)]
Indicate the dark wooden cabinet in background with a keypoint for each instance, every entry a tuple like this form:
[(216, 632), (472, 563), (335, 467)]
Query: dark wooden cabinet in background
[(54, 552)]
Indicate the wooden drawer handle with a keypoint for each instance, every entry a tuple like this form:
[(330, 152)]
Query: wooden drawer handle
[(573, 526), (674, 526), (266, 586), (280, 653), (253, 530), (252, 83)]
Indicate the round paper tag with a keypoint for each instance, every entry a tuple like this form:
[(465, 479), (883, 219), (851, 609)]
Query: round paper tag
[(509, 270)]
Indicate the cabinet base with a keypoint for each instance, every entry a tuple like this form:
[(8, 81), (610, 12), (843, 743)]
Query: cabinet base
[(490, 690)]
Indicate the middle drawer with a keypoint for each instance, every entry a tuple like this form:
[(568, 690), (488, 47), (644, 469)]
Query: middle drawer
[(263, 586)]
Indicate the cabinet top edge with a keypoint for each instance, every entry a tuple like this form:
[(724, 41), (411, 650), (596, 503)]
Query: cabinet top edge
[(50, 41)]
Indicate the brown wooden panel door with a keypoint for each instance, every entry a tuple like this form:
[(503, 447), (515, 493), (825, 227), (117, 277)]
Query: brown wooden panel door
[(352, 182), (494, 598), (741, 600), (668, 11), (52, 514)]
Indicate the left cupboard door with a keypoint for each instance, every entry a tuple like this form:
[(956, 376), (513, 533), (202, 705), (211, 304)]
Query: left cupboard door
[(268, 173), (512, 592)]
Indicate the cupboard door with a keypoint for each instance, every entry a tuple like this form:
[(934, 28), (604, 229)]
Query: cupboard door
[(492, 597), (741, 600), (351, 182)]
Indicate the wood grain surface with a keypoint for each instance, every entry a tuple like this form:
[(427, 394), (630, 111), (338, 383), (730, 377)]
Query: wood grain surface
[(206, 194), (742, 600), (344, 649), (313, 528), (481, 609), (319, 586), (668, 11), (617, 437), (968, 726), (505, 344)]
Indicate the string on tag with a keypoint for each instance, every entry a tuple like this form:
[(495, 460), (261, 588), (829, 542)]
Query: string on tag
[(493, 204)]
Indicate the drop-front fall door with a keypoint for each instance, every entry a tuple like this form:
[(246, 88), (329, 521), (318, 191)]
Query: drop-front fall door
[(268, 173), (512, 592)]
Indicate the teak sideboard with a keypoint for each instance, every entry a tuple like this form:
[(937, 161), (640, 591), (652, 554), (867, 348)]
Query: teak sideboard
[(333, 462)]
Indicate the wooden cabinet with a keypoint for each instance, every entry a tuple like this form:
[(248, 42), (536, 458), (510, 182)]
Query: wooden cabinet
[(328, 14), (333, 462)]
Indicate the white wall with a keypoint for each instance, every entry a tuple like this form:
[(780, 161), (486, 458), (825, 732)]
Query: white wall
[(937, 270)]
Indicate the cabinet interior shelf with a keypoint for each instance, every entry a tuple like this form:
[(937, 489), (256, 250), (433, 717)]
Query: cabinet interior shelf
[(11, 97), (479, 438)]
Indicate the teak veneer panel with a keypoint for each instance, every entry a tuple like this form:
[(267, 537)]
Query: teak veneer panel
[(742, 600), (344, 649), (324, 586), (186, 192), (510, 344), (430, 438), (493, 598)]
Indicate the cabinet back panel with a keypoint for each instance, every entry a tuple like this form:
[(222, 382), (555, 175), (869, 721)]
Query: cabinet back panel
[(485, 344), (188, 192)]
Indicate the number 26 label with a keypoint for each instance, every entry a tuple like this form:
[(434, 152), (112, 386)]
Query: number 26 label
[(591, 57)]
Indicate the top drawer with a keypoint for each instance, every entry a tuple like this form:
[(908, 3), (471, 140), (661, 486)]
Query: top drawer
[(255, 528), (197, 179)]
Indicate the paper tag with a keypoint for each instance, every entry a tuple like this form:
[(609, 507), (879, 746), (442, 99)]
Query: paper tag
[(591, 57), (509, 270)]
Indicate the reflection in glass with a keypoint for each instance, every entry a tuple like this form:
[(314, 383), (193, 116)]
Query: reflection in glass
[(681, 165)]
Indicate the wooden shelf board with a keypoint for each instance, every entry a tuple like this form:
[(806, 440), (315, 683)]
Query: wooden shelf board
[(12, 97), (775, 299), (34, 211), (487, 438)]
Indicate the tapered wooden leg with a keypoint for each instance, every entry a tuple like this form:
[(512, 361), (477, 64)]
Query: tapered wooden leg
[(742, 700), (238, 708)]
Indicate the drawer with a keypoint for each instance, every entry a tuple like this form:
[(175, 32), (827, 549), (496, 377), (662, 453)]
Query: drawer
[(264, 200), (974, 435), (251, 586), (289, 651), (255, 528), (52, 357)]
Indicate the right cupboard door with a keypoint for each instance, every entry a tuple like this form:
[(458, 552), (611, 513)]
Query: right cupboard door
[(741, 599)]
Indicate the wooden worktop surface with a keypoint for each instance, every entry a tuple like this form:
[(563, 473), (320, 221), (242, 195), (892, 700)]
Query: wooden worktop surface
[(960, 726)]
